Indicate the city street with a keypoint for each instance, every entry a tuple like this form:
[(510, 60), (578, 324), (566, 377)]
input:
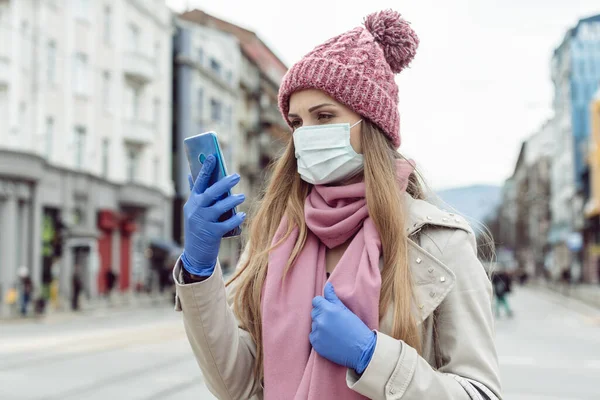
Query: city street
[(550, 350)]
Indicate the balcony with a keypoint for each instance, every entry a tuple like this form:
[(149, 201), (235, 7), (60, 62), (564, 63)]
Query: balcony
[(138, 132), (138, 66), (271, 116)]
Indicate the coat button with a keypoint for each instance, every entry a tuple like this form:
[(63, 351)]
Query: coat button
[(421, 306), (419, 261), (443, 279), (432, 294), (444, 219), (429, 218), (430, 270)]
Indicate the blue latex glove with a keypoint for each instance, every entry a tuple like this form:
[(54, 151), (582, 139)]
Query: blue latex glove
[(338, 334), (203, 231)]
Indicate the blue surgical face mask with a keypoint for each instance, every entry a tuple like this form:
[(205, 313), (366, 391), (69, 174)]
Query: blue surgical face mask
[(324, 153)]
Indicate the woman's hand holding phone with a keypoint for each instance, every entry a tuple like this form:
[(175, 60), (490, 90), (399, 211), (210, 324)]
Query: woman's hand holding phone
[(203, 231)]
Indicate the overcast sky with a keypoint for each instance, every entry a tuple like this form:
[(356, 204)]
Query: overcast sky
[(479, 85)]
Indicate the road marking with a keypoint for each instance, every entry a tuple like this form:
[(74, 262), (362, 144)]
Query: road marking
[(18, 345)]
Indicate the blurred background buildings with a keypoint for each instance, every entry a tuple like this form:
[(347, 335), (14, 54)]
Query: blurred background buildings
[(95, 101), (547, 224), (96, 98)]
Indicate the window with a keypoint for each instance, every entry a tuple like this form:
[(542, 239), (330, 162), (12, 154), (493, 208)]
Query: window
[(105, 155), (82, 9), (51, 72), (80, 73), (107, 25), (215, 66), (79, 144), (3, 109), (49, 136), (200, 105), (26, 44), (78, 216), (132, 164), (106, 90), (134, 37), (133, 99), (215, 110), (156, 113)]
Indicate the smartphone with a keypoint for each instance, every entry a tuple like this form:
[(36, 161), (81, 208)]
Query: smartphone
[(197, 148)]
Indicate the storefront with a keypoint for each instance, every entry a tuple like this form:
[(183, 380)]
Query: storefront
[(106, 226)]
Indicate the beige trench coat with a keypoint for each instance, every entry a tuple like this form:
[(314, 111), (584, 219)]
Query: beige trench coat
[(453, 293)]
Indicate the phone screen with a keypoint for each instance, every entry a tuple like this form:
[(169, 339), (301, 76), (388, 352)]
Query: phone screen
[(197, 149)]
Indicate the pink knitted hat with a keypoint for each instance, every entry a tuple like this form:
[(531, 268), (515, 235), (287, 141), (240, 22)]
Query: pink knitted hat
[(357, 69)]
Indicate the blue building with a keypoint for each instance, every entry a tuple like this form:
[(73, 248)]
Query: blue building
[(576, 75)]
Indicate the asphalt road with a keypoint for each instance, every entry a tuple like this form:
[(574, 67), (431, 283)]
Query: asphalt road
[(550, 350)]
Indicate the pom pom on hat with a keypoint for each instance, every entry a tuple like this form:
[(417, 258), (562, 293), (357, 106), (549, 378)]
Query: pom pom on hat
[(398, 40)]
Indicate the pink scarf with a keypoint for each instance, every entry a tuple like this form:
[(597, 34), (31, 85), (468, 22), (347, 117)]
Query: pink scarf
[(334, 214)]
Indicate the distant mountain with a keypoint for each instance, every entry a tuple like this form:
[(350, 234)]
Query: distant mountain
[(475, 202)]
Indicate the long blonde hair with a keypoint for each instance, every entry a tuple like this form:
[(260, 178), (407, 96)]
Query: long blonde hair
[(285, 195)]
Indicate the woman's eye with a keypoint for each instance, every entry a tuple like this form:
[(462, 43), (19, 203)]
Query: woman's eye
[(296, 124), (324, 117)]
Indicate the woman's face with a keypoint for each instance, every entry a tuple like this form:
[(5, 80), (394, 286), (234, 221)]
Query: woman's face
[(313, 107)]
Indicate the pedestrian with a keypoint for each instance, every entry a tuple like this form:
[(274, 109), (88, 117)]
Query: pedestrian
[(11, 299), (352, 285), (26, 289), (111, 279), (502, 282), (76, 286)]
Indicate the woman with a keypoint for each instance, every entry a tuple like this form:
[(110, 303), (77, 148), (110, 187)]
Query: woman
[(351, 285)]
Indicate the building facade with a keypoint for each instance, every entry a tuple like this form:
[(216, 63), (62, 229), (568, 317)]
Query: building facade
[(207, 66), (260, 131), (575, 73), (540, 148), (85, 92)]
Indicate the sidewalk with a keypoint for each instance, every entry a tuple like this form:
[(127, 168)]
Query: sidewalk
[(588, 294), (97, 306)]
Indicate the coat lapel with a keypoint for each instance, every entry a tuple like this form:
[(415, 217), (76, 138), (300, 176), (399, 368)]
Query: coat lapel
[(433, 280)]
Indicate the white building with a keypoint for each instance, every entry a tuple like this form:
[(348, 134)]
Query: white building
[(85, 122)]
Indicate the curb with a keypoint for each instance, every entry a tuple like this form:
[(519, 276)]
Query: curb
[(88, 309), (576, 302)]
